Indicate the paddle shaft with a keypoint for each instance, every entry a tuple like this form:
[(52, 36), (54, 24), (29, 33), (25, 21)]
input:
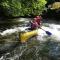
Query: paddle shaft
[(43, 29), (47, 32)]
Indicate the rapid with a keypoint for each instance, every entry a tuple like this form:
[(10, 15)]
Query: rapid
[(53, 28), (18, 52)]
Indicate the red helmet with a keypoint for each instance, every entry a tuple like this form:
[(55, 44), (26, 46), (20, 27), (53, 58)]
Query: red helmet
[(38, 17)]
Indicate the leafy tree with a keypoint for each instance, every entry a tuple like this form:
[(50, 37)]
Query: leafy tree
[(22, 7)]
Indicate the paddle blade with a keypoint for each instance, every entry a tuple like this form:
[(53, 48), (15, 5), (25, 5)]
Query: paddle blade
[(49, 33)]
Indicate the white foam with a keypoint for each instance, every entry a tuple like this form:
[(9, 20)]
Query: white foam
[(10, 31), (53, 28)]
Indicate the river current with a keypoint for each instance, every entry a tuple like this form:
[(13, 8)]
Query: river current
[(52, 27)]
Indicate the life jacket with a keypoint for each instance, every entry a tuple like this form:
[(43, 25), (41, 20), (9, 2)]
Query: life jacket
[(34, 25)]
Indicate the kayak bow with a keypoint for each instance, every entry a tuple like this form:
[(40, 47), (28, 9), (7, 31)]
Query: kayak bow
[(25, 36)]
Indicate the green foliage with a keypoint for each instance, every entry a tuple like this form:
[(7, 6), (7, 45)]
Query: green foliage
[(55, 5), (22, 7)]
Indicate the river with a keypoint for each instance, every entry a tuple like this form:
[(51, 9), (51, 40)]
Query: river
[(9, 31)]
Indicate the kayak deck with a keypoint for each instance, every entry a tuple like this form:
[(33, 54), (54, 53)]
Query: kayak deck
[(23, 37)]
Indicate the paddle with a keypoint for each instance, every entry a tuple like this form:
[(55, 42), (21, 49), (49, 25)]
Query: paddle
[(47, 32)]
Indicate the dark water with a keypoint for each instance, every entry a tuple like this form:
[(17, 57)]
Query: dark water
[(8, 24), (4, 45)]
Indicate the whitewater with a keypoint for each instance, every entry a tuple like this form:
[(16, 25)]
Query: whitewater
[(53, 28)]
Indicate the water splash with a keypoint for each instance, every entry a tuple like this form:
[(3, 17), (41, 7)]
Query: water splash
[(53, 28), (10, 31)]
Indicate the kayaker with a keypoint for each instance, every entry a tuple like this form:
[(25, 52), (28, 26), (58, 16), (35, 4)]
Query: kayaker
[(36, 23), (38, 20)]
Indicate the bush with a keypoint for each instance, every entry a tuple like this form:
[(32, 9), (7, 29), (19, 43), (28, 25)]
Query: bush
[(22, 7)]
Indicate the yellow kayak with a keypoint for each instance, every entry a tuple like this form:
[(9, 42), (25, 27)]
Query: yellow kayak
[(25, 36)]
